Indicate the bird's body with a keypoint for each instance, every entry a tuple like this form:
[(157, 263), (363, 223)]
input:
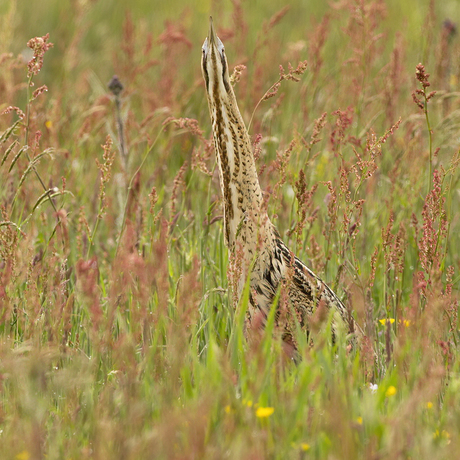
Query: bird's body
[(248, 230)]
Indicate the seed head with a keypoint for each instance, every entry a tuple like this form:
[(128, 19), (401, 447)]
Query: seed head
[(420, 96), (39, 45), (115, 85), (421, 75)]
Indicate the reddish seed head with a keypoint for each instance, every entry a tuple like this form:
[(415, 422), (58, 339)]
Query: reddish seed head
[(13, 108), (237, 72), (422, 77), (40, 46), (39, 91)]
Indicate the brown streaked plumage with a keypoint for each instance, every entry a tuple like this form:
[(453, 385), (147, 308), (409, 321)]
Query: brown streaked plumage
[(266, 259)]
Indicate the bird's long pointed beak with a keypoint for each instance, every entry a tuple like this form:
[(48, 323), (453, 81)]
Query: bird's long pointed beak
[(212, 36)]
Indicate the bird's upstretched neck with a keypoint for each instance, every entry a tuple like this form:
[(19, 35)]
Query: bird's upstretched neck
[(238, 174), (265, 258)]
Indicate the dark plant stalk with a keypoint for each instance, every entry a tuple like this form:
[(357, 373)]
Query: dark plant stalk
[(116, 88)]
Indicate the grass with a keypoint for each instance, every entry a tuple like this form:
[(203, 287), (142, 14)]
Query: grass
[(119, 337)]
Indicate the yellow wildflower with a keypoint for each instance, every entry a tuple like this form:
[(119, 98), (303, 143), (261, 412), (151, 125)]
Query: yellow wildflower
[(405, 322), (391, 391), (385, 320), (227, 409), (444, 434), (304, 446), (429, 405), (360, 420), (264, 412), (49, 124), (24, 455)]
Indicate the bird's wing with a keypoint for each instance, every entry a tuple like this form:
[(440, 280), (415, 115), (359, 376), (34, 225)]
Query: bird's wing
[(308, 290)]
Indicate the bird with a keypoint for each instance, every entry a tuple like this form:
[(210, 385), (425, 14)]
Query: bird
[(266, 261)]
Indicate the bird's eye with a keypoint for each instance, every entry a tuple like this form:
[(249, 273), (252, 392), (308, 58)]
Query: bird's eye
[(220, 47), (204, 48)]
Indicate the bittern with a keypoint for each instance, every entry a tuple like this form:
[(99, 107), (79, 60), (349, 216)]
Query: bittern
[(266, 259)]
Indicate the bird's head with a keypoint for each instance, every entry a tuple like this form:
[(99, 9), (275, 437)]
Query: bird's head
[(214, 64)]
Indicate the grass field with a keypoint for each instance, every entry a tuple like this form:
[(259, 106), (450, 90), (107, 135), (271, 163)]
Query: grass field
[(119, 337)]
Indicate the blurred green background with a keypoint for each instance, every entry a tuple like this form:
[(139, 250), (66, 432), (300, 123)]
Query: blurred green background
[(98, 25)]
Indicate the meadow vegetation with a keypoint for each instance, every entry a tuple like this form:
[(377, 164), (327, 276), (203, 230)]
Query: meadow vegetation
[(119, 337)]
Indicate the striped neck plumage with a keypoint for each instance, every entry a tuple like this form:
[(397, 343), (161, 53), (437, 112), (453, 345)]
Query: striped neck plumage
[(238, 175)]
